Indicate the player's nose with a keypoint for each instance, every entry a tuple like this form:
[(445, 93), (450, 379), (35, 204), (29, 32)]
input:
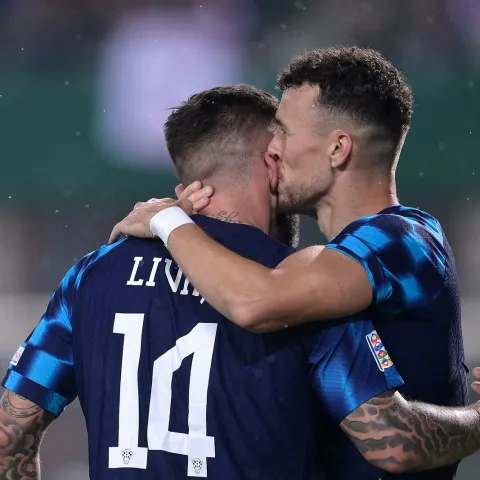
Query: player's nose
[(269, 157), (273, 151)]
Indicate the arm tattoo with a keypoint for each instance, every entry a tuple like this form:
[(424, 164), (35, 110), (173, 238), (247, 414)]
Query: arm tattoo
[(22, 424), (401, 436)]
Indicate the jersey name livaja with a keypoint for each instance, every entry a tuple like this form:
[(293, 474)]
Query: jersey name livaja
[(177, 280)]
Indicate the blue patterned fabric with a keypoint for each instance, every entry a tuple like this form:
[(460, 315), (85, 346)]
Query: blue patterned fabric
[(416, 312), (403, 252), (45, 372)]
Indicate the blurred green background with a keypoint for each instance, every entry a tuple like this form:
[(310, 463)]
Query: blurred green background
[(85, 87)]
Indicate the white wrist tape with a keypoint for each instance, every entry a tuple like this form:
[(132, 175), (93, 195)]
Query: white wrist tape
[(165, 222)]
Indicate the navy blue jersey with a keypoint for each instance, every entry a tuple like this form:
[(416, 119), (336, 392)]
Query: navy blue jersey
[(171, 389), (416, 311)]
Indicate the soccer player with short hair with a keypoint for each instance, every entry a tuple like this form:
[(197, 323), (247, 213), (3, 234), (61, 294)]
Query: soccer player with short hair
[(339, 131), (169, 388)]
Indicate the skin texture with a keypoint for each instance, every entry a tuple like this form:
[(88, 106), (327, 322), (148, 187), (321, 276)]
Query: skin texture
[(400, 436), (22, 425)]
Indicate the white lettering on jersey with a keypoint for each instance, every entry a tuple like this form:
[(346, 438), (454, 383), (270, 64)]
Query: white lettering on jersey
[(151, 280), (132, 281), (195, 292), (136, 281), (168, 274)]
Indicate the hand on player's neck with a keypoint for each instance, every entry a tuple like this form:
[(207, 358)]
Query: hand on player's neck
[(354, 198), (240, 210)]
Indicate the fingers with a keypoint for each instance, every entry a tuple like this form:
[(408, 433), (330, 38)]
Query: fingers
[(194, 192), (192, 188), (179, 189), (137, 222), (115, 235), (186, 205), (476, 384), (476, 387), (201, 204), (201, 198)]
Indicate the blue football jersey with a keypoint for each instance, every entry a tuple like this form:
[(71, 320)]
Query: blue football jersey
[(171, 389), (416, 311)]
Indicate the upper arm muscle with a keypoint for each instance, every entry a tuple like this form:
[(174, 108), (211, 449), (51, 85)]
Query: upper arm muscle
[(324, 284), (302, 258)]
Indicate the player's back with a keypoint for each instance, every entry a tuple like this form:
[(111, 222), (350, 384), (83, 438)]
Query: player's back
[(169, 388)]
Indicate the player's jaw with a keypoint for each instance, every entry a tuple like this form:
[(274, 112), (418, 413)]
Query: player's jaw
[(298, 193), (304, 178), (305, 175)]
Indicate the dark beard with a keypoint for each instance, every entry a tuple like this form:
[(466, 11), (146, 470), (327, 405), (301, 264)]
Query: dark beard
[(285, 227)]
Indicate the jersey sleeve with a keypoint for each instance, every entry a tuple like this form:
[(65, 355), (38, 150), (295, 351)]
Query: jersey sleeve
[(404, 259), (42, 368), (348, 366)]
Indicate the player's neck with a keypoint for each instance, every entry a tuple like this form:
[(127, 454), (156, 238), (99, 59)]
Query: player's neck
[(233, 209), (353, 199)]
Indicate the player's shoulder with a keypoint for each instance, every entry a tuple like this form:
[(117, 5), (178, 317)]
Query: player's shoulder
[(303, 257), (107, 256), (392, 223)]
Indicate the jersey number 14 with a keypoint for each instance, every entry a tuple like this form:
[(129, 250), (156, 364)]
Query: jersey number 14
[(196, 445)]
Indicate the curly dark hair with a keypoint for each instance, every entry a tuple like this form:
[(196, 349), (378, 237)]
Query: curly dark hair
[(217, 129), (356, 82)]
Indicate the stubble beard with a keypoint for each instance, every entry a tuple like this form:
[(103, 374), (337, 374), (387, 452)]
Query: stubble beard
[(293, 200)]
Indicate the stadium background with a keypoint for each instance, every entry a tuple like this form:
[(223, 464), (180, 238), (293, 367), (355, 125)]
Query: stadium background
[(85, 86)]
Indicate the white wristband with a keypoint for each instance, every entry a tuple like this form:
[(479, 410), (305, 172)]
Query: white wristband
[(165, 222)]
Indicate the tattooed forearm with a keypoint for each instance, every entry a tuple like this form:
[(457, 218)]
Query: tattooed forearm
[(22, 424), (401, 436)]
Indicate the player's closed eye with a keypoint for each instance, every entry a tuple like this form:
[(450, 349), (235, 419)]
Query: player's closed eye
[(276, 129)]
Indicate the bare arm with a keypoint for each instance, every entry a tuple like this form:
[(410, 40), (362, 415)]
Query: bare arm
[(330, 286), (400, 436), (255, 297), (22, 424)]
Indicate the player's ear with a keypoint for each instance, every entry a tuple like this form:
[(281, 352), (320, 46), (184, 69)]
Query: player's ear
[(272, 171), (340, 148)]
